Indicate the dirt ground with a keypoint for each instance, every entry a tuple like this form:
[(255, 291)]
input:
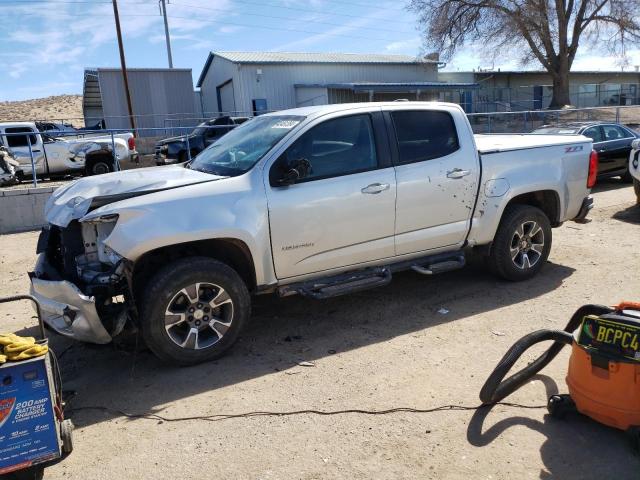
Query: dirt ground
[(65, 108), (384, 348)]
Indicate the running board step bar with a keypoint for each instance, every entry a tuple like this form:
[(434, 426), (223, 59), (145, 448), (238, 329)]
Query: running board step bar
[(339, 284), (350, 282), (440, 267)]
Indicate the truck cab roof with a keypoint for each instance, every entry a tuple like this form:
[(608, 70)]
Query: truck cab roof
[(319, 110), (17, 124)]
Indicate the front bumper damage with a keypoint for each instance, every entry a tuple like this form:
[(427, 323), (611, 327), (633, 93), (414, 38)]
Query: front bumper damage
[(66, 309), (79, 296)]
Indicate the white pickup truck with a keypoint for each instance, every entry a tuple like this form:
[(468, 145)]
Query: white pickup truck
[(86, 154), (318, 201)]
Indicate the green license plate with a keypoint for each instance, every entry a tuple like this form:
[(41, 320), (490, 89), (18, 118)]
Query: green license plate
[(617, 338)]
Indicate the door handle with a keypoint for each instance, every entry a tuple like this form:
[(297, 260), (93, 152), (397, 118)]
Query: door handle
[(458, 173), (375, 188), (35, 151)]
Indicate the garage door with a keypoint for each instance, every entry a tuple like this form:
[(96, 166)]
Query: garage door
[(225, 98)]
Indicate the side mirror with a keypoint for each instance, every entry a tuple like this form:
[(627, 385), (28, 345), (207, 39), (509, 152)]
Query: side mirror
[(295, 171)]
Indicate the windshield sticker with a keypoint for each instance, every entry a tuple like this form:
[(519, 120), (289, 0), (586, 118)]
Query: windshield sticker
[(288, 124)]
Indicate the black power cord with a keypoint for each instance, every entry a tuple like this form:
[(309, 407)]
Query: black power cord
[(219, 417)]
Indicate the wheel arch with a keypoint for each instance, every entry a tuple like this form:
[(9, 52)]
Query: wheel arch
[(485, 227), (546, 200), (94, 157), (233, 252)]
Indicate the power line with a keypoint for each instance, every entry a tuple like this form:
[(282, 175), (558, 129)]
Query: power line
[(245, 2), (264, 27), (221, 22), (89, 2), (306, 10), (366, 5), (286, 18), (309, 32)]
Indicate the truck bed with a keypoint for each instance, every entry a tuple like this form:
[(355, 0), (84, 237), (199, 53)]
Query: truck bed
[(493, 143)]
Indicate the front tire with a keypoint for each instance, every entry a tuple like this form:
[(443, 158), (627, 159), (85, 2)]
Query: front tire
[(193, 310), (636, 189), (522, 243)]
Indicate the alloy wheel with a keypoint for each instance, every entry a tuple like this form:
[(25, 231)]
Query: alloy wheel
[(198, 316), (527, 245)]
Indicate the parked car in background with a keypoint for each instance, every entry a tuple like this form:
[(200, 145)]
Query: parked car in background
[(612, 141), (634, 167), (56, 127), (90, 155), (318, 201), (175, 149)]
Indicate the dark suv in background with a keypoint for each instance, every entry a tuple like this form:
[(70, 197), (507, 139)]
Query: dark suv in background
[(175, 149), (612, 141)]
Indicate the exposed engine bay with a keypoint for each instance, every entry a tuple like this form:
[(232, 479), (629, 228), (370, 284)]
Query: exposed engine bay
[(77, 256)]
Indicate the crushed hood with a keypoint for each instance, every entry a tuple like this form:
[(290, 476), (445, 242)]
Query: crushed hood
[(73, 201)]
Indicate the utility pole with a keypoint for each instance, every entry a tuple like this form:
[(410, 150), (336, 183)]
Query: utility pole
[(166, 31), (123, 65)]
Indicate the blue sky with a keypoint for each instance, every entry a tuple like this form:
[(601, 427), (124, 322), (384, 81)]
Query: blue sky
[(46, 44)]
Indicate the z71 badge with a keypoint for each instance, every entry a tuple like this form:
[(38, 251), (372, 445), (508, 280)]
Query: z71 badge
[(575, 148)]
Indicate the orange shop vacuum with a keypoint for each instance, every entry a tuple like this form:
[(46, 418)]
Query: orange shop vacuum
[(604, 368)]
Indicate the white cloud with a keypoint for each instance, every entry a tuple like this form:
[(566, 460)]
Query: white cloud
[(410, 46)]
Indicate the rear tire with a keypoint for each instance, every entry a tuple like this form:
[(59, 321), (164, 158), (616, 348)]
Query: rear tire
[(99, 166), (193, 310), (522, 243), (636, 189)]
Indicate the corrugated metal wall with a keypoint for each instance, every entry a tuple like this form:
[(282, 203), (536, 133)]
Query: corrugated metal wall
[(339, 95), (220, 71), (161, 98), (276, 82)]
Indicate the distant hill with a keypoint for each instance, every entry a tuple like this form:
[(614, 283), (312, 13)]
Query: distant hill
[(67, 108)]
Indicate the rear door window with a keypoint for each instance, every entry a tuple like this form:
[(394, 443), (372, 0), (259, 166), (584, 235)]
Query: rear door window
[(424, 135), (594, 133), (614, 132), (19, 140)]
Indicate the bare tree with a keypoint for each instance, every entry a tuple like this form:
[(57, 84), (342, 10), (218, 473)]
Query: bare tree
[(549, 31)]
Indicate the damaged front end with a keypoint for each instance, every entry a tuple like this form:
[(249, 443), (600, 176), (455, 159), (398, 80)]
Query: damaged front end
[(81, 284)]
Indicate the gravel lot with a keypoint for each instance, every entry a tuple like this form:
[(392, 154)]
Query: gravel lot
[(383, 348)]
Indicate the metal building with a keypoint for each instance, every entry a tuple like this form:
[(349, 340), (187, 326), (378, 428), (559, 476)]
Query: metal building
[(532, 89), (252, 82), (161, 98)]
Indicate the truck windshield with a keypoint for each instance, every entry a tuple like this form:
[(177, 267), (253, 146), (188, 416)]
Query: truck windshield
[(240, 149)]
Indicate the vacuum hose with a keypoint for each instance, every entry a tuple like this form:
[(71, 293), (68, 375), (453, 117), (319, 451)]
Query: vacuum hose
[(496, 388)]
